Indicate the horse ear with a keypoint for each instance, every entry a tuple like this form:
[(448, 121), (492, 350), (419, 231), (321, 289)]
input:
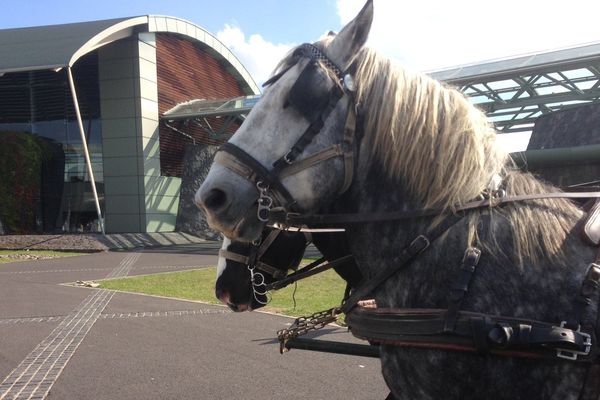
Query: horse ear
[(352, 37)]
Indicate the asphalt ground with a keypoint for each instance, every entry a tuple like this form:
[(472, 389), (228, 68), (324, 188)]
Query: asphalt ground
[(59, 341)]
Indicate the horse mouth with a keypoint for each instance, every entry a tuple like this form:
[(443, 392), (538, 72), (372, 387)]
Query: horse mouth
[(246, 229)]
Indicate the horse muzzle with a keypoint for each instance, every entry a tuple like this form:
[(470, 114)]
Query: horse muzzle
[(224, 297), (230, 205)]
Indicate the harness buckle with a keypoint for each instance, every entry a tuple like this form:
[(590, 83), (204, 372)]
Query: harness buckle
[(573, 354), (289, 218), (265, 203), (288, 157), (419, 244)]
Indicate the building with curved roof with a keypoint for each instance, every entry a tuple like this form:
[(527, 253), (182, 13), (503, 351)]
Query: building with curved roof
[(81, 145)]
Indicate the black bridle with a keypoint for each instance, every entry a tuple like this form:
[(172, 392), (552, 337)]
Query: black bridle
[(315, 106), (281, 277)]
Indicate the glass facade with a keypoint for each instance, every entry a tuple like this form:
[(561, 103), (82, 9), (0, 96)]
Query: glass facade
[(44, 184)]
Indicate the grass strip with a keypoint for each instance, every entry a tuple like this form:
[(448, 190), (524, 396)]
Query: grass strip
[(317, 293)]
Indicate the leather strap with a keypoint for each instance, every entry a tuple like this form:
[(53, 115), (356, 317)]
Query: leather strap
[(314, 159), (310, 270), (265, 244), (276, 273), (229, 255), (408, 254), (591, 388), (500, 335), (246, 166), (461, 286), (589, 286), (335, 94), (295, 219), (255, 256)]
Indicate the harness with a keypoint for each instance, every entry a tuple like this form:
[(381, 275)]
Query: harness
[(254, 259), (281, 277), (572, 339), (453, 329)]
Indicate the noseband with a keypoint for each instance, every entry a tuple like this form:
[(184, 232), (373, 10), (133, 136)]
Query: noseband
[(253, 263), (316, 110)]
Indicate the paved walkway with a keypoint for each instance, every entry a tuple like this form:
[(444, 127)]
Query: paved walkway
[(98, 242), (64, 342)]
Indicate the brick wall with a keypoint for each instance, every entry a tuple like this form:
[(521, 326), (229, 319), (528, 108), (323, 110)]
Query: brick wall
[(187, 71)]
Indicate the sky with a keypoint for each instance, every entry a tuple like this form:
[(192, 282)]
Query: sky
[(423, 35)]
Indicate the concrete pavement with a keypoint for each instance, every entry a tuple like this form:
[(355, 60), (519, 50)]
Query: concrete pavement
[(64, 342)]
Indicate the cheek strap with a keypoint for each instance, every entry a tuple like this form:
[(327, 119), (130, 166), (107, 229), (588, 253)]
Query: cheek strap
[(237, 160)]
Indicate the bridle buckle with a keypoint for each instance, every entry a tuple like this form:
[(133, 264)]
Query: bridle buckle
[(288, 158), (572, 355), (265, 202)]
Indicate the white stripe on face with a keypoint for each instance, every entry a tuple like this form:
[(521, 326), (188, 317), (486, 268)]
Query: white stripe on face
[(222, 263)]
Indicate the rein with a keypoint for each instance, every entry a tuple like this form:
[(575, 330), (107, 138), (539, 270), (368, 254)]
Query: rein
[(296, 219), (311, 269)]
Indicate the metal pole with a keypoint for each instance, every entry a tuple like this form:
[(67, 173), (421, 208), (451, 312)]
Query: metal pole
[(86, 153), (558, 157), (328, 346)]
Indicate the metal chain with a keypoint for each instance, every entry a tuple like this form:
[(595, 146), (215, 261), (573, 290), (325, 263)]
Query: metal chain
[(303, 325)]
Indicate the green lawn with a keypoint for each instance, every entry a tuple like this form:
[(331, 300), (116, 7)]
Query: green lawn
[(8, 256), (316, 293)]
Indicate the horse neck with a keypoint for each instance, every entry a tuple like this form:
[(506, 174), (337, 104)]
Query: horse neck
[(514, 232), (334, 245), (286, 251), (372, 193)]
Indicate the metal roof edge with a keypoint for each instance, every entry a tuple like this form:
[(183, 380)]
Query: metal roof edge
[(162, 23), (521, 62), (125, 27), (56, 67), (115, 32)]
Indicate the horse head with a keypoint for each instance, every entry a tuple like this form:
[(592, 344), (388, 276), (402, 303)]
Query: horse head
[(420, 146), (294, 151), (244, 269)]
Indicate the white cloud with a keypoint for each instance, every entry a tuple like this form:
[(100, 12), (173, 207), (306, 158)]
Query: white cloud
[(255, 53), (430, 34)]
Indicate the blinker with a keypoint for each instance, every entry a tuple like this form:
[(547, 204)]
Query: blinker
[(310, 93)]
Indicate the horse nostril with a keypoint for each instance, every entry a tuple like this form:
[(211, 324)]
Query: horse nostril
[(222, 295), (215, 200)]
